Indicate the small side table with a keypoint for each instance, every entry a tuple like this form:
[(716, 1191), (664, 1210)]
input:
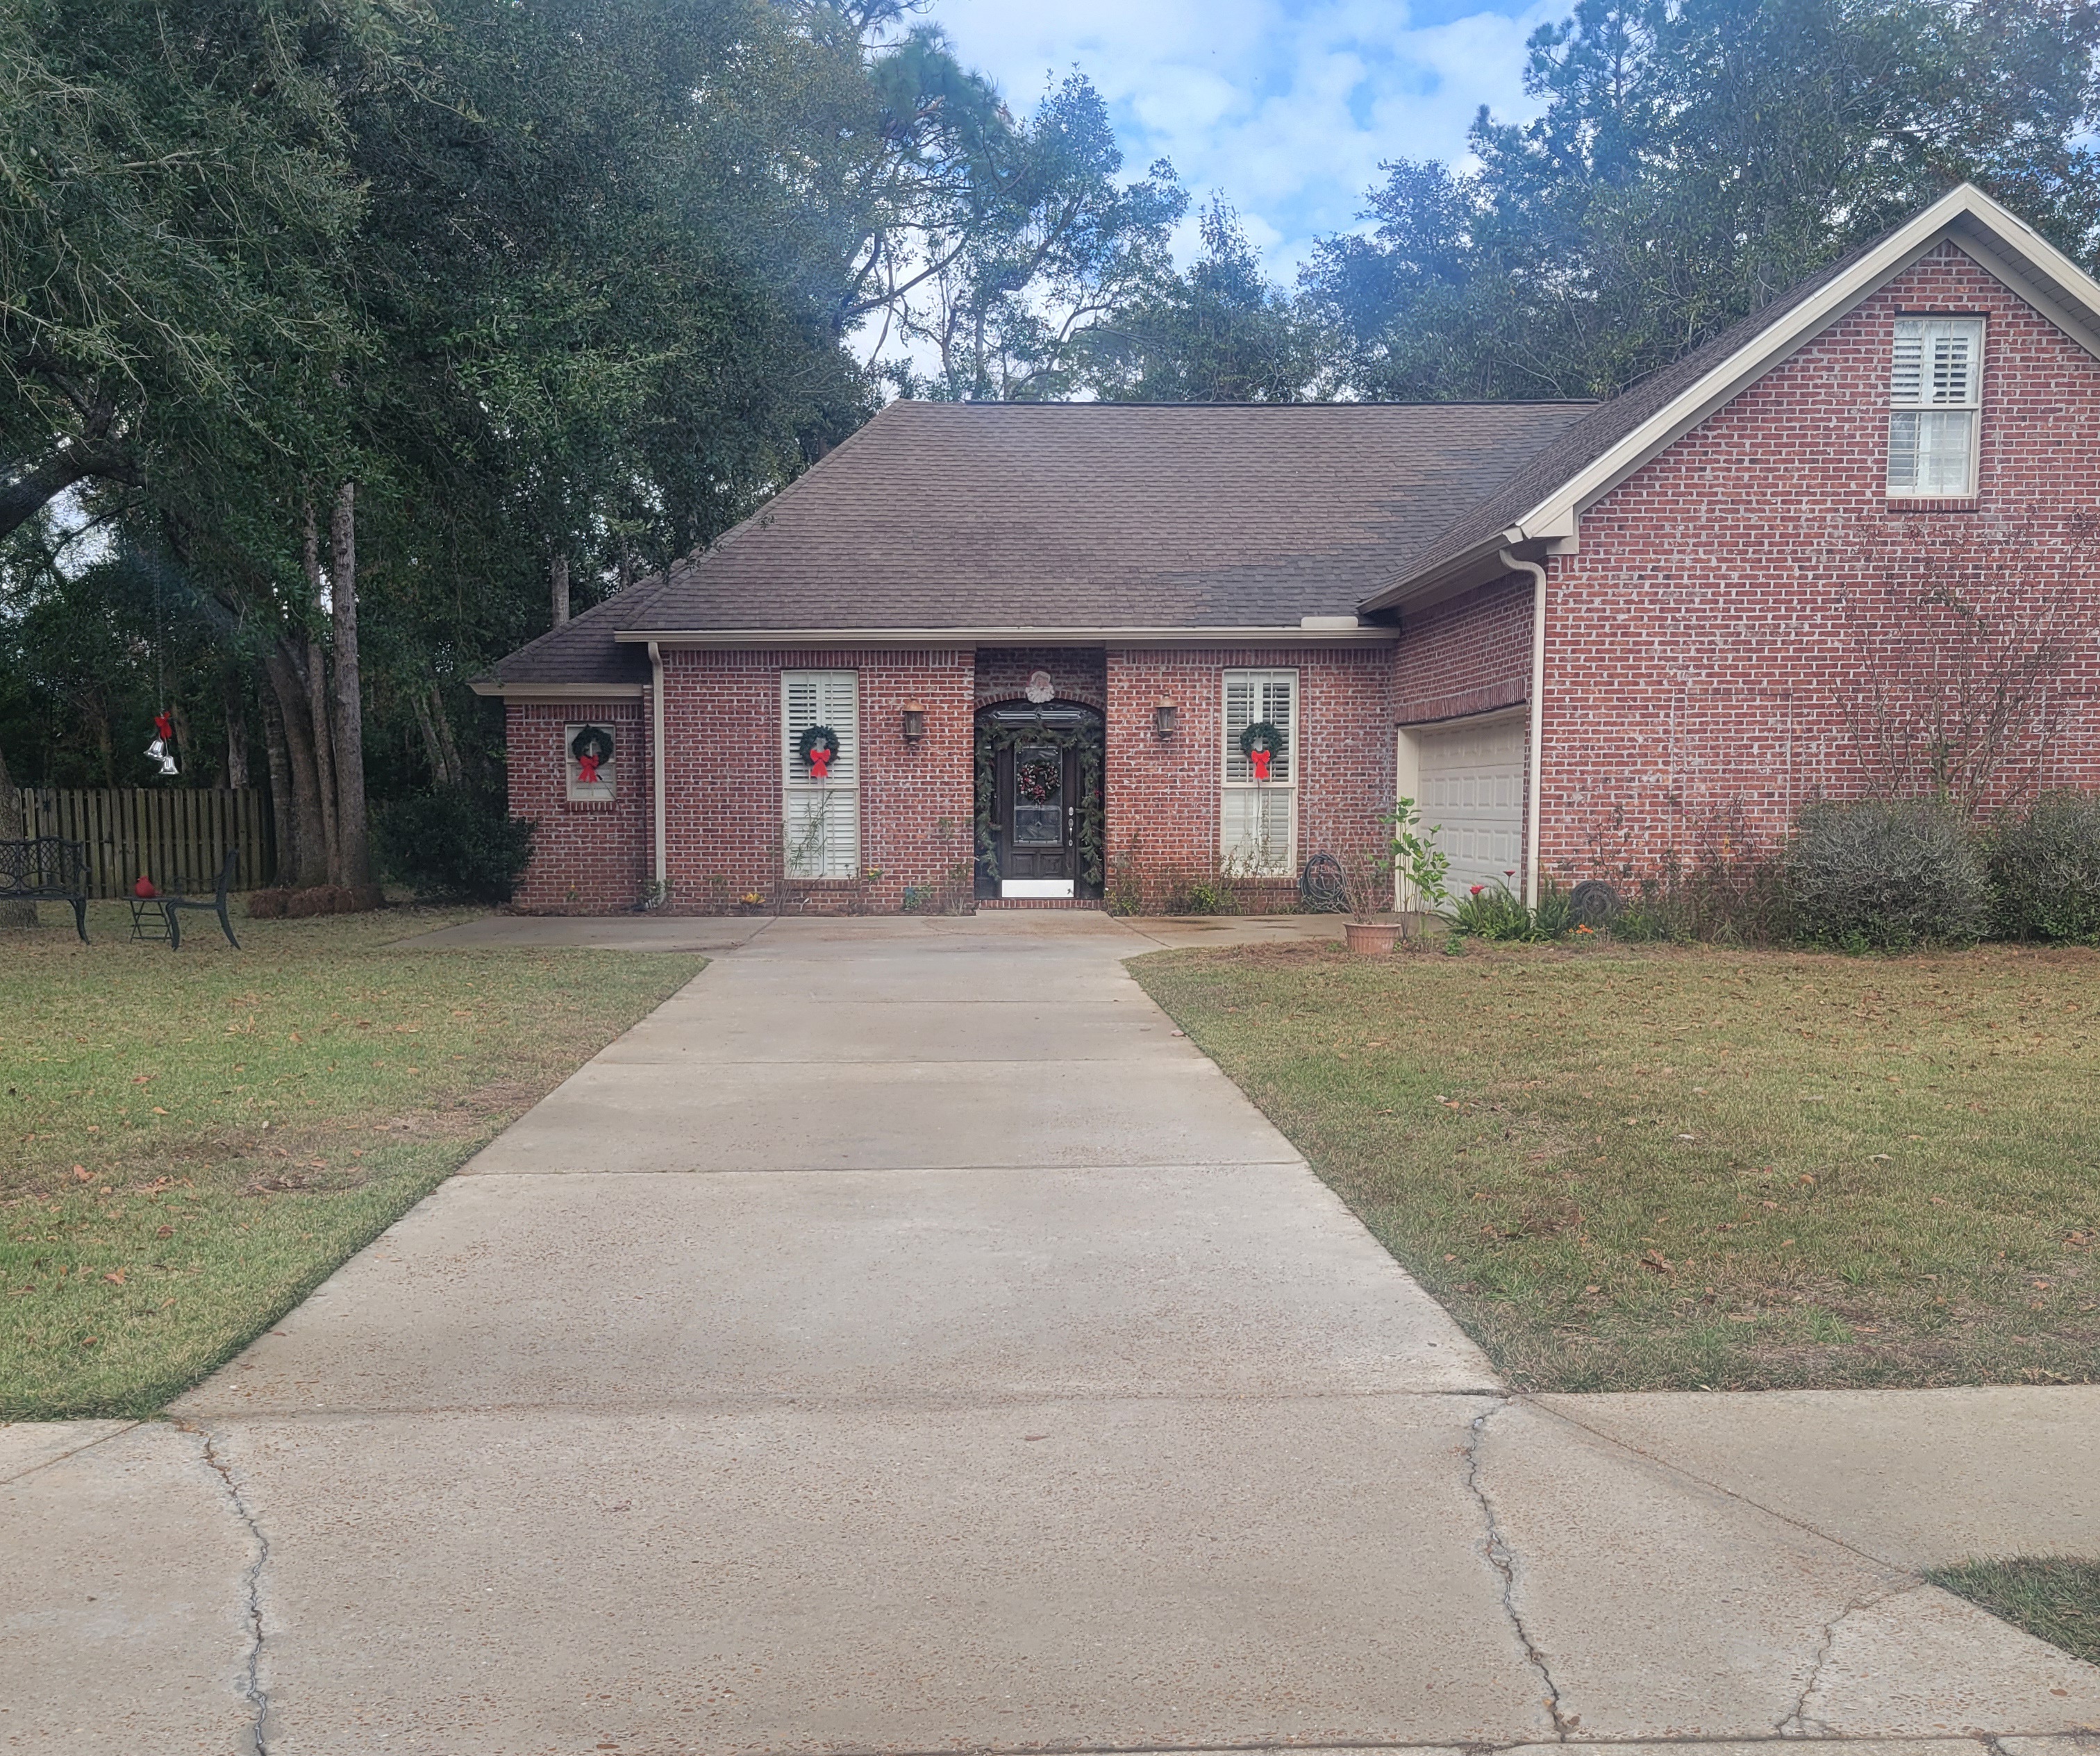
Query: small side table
[(149, 919)]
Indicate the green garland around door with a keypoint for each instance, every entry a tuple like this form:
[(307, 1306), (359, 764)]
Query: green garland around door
[(1086, 740)]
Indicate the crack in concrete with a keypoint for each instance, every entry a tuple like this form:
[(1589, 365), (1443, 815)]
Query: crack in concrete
[(1796, 1722), (1503, 1561), (251, 1588)]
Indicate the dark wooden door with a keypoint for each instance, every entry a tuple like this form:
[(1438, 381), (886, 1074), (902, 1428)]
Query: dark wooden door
[(1038, 797)]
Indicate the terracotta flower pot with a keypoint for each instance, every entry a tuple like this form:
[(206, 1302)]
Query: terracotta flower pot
[(1373, 938)]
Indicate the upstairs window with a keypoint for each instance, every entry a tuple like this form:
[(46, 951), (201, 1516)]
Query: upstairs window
[(1935, 402)]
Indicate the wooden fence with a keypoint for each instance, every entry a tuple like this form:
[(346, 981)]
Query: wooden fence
[(176, 835)]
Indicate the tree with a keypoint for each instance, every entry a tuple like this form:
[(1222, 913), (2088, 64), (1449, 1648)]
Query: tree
[(1695, 158), (1221, 333)]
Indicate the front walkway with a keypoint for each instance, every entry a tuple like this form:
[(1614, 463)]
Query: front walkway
[(904, 1340)]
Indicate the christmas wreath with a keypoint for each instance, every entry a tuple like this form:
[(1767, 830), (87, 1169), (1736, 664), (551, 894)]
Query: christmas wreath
[(593, 748), (1261, 743), (1038, 781), (817, 747)]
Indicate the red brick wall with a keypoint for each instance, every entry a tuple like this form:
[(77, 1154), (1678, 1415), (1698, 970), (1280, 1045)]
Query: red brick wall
[(588, 858), (723, 781), (1075, 672), (1468, 655), (1166, 790), (1740, 603)]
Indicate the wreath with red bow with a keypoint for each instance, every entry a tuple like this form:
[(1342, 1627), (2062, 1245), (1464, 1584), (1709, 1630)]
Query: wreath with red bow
[(593, 749), (1261, 743), (819, 748)]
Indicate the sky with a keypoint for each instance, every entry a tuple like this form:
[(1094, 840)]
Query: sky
[(1285, 106)]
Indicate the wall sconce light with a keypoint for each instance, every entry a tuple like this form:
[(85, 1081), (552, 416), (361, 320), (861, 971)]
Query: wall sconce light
[(914, 722), (1164, 716)]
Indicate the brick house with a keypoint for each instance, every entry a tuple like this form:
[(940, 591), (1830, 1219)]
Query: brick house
[(1011, 650)]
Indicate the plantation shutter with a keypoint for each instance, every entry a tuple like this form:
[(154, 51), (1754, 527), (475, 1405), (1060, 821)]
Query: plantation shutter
[(820, 819), (1936, 397), (1258, 826)]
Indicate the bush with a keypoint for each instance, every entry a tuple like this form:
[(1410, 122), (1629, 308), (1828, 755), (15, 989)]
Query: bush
[(458, 844), (1496, 912), (1886, 874), (2045, 867)]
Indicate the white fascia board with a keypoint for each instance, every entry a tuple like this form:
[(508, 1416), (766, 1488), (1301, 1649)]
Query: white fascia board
[(797, 639), (550, 692), (2003, 244)]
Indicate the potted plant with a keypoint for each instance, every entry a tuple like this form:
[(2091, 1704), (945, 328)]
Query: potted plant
[(1423, 867), (1367, 884)]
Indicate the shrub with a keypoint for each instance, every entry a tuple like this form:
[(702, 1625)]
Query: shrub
[(266, 905), (1886, 874), (2045, 869), (457, 843), (1492, 911)]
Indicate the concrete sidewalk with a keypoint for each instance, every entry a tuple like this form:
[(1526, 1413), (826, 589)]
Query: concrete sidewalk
[(904, 1340)]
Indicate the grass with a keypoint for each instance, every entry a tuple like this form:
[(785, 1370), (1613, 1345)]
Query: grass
[(2054, 1600), (193, 1142), (1674, 1169)]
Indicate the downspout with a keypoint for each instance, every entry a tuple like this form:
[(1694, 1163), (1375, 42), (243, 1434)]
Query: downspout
[(656, 767), (1537, 717)]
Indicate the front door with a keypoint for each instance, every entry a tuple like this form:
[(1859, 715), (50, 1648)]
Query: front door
[(1037, 811)]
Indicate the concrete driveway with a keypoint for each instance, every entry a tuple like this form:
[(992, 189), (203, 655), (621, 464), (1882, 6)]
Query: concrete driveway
[(903, 1340)]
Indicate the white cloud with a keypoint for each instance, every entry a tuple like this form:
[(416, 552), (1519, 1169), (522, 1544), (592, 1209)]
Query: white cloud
[(1287, 106)]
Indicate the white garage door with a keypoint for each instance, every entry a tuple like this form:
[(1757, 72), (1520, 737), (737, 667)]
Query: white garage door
[(1471, 794)]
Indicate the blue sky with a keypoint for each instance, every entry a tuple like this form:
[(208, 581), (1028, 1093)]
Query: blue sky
[(1286, 105)]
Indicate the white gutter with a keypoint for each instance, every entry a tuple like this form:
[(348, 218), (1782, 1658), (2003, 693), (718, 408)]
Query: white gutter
[(1537, 717), (656, 761)]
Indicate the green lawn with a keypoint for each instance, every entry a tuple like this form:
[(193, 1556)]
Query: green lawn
[(2054, 1600), (194, 1141), (1646, 1170)]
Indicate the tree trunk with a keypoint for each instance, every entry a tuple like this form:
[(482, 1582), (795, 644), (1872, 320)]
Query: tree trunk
[(356, 854), (11, 825), (432, 749), (455, 768), (310, 843), (185, 749), (283, 810), (236, 736), (316, 667), (557, 585)]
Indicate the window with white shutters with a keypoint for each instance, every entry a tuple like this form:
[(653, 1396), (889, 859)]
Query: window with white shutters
[(1935, 404), (820, 819), (1258, 831)]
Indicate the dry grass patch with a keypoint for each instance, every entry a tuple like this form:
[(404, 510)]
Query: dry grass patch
[(1679, 1169), (194, 1140)]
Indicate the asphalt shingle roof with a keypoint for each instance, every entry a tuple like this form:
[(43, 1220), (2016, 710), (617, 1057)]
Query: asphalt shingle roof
[(990, 515)]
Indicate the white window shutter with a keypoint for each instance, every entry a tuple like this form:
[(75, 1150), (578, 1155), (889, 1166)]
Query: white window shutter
[(820, 823), (1258, 820), (1936, 397)]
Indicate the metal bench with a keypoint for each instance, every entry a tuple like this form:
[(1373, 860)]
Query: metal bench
[(173, 905), (47, 869)]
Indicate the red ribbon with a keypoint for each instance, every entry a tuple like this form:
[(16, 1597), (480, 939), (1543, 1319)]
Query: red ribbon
[(820, 761), (1259, 758), (587, 769), (160, 724)]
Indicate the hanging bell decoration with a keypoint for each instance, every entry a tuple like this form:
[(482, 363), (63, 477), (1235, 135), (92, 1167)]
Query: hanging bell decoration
[(164, 735)]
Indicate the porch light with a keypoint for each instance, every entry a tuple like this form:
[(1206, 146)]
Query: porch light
[(1164, 716), (914, 722)]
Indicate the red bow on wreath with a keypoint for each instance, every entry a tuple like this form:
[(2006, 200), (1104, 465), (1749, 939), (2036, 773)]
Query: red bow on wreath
[(820, 762), (1259, 758), (587, 769)]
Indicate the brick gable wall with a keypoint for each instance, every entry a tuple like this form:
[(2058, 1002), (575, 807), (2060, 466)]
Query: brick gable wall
[(1715, 649)]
